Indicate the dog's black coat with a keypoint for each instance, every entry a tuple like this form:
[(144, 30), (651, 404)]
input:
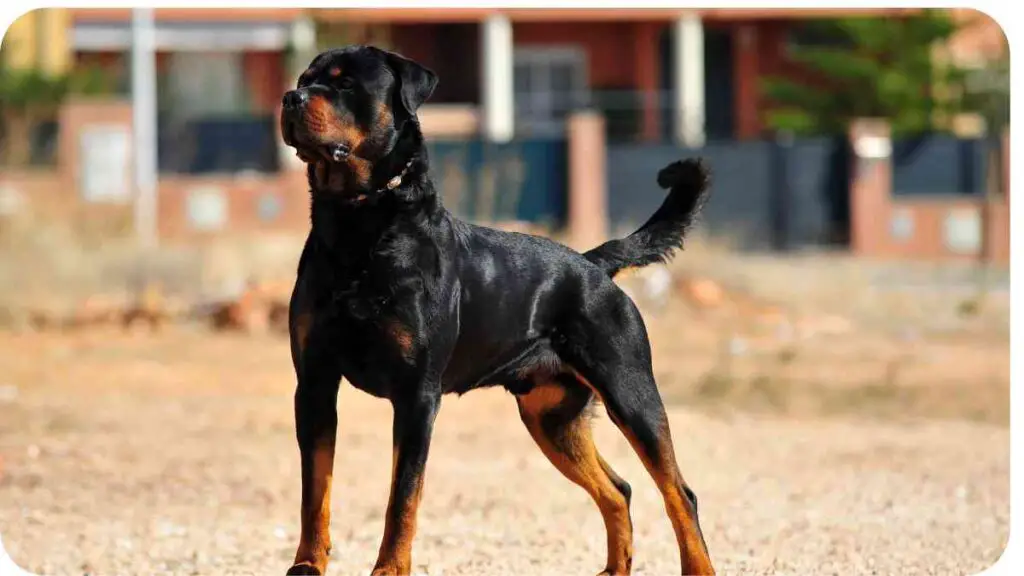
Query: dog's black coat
[(407, 302)]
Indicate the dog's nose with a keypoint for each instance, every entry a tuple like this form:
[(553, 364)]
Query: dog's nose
[(295, 98)]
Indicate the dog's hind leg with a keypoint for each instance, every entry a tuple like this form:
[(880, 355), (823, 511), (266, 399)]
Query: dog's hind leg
[(636, 408), (555, 414), (610, 352)]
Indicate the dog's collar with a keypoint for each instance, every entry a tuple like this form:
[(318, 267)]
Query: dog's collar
[(395, 182)]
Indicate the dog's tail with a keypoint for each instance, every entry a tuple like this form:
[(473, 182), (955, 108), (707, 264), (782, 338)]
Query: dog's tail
[(662, 234)]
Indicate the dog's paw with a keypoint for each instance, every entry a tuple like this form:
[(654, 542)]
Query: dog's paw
[(689, 173), (305, 569)]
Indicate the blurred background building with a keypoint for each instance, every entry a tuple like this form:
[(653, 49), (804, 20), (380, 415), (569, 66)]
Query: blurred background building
[(825, 128)]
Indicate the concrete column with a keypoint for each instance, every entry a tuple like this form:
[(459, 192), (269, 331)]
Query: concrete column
[(302, 38), (588, 196), (688, 79), (498, 101), (144, 126)]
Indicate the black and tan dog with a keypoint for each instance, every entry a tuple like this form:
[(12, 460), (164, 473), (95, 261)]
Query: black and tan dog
[(409, 303)]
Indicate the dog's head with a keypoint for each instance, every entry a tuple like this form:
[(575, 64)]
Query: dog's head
[(351, 107)]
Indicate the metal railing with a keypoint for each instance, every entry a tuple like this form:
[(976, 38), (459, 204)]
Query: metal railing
[(630, 115)]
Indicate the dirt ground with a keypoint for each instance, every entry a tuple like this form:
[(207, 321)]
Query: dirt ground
[(174, 453)]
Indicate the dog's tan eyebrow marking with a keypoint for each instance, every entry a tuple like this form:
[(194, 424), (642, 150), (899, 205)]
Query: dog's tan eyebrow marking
[(334, 72)]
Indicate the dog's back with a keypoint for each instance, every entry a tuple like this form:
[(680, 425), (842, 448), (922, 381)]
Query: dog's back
[(512, 290), (517, 291)]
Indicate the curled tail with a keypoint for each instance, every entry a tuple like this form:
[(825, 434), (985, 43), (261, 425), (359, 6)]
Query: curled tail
[(662, 234)]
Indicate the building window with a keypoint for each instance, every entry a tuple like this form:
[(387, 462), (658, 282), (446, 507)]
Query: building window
[(207, 120), (550, 82)]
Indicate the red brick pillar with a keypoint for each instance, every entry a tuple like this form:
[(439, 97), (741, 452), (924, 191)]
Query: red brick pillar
[(746, 78), (870, 186), (997, 230), (588, 198), (647, 78)]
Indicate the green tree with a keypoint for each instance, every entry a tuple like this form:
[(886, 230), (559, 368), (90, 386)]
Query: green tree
[(987, 92), (880, 67)]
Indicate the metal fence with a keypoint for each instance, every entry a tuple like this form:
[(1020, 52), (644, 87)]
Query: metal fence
[(210, 145), (940, 165), (767, 195), (630, 115), (524, 180)]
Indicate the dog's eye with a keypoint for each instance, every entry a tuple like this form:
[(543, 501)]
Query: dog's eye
[(346, 83)]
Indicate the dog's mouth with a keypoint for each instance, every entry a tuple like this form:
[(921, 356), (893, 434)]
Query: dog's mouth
[(309, 149), (312, 153), (321, 152)]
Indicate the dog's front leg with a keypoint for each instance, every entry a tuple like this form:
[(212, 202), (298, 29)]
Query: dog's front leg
[(414, 423), (316, 424)]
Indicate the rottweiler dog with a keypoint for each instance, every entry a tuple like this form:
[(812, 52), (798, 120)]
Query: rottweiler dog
[(409, 303)]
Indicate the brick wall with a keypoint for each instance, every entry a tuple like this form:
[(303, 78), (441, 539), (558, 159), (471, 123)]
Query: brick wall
[(253, 203), (930, 228)]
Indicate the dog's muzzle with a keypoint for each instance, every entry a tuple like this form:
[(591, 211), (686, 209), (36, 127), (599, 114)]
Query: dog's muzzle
[(295, 99), (294, 131)]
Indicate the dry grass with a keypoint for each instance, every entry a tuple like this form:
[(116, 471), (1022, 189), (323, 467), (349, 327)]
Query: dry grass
[(725, 364), (813, 335), (921, 348), (54, 265)]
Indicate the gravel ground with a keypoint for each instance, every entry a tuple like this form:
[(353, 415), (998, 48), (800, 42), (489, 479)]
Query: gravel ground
[(175, 454)]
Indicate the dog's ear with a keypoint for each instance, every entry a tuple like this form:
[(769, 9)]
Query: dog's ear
[(415, 84)]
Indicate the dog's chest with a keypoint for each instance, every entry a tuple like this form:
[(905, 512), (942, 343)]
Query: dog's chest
[(368, 331), (359, 296), (366, 286)]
